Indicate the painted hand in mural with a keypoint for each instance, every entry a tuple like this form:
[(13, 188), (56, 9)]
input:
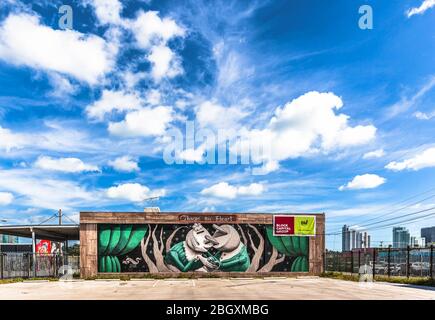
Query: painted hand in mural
[(233, 255), (192, 253), (211, 263)]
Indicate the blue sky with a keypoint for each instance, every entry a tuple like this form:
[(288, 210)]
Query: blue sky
[(347, 114)]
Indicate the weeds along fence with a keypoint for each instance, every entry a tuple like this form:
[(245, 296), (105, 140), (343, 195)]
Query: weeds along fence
[(406, 262), (28, 265)]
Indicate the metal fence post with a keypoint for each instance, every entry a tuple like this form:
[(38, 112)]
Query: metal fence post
[(35, 265), (374, 263), (324, 262), (1, 265), (408, 251), (389, 260), (28, 265), (351, 262), (54, 265), (431, 261)]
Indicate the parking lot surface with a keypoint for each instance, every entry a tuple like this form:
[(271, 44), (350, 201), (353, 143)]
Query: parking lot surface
[(187, 289)]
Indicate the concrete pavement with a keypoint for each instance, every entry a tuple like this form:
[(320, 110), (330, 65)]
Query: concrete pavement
[(187, 289)]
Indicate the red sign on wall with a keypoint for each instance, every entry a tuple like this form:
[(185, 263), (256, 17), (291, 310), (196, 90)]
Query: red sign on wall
[(283, 225), (43, 246)]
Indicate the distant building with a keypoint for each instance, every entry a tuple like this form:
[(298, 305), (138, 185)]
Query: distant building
[(352, 239), (401, 237), (8, 239), (359, 240), (418, 242), (367, 240), (428, 234), (413, 241), (345, 238)]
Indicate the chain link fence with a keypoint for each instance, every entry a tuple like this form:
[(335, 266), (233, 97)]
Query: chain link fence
[(406, 262), (28, 265)]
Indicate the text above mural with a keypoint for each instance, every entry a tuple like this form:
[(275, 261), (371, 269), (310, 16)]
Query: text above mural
[(207, 218), (286, 225)]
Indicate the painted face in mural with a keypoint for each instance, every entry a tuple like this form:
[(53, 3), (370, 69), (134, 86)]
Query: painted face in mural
[(226, 238), (233, 255), (199, 239)]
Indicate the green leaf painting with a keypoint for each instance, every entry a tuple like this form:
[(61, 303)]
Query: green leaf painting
[(291, 246), (117, 240)]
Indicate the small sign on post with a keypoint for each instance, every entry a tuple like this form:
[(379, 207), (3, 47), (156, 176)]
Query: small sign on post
[(286, 225)]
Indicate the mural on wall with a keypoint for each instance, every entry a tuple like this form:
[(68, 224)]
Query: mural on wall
[(199, 247)]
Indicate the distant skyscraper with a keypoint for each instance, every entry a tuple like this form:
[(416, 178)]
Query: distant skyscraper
[(8, 239), (428, 234), (401, 237), (353, 239), (413, 242), (345, 238), (359, 240), (417, 242)]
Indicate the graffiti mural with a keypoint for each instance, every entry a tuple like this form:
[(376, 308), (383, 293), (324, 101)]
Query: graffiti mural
[(199, 247)]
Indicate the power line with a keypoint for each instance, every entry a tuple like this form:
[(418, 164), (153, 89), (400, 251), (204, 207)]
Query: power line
[(65, 216), (397, 222), (53, 216), (400, 209), (398, 217)]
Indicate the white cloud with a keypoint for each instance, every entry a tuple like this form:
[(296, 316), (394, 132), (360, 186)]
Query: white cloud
[(125, 164), (426, 159), (6, 198), (9, 140), (306, 125), (37, 190), (408, 102), (62, 86), (374, 154), (133, 192), (426, 5), (24, 41), (227, 191), (153, 97), (71, 165), (365, 181), (424, 116), (113, 101), (153, 33), (144, 122), (267, 167), (165, 63), (149, 29), (254, 189), (108, 11), (210, 114), (194, 155)]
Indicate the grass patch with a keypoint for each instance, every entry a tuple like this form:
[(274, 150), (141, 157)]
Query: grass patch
[(14, 280), (340, 276), (418, 281)]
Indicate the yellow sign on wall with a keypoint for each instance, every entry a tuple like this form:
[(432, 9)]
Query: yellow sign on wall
[(305, 225)]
